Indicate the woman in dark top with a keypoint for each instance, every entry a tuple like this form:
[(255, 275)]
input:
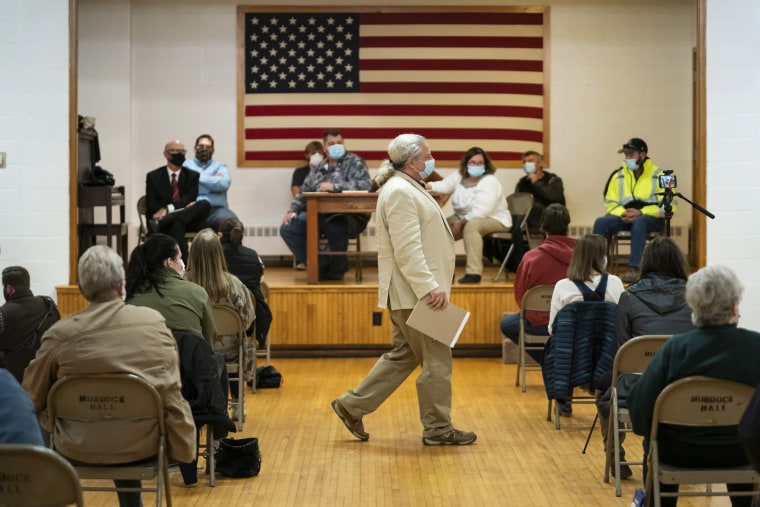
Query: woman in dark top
[(245, 263), (655, 304)]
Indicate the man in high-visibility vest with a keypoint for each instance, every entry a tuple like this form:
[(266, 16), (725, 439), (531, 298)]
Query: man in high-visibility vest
[(632, 202)]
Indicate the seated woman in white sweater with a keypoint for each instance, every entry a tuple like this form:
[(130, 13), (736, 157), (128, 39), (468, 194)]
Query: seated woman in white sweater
[(587, 265), (480, 206)]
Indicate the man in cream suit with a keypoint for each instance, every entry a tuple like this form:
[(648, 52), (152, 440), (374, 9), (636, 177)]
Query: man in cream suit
[(415, 262)]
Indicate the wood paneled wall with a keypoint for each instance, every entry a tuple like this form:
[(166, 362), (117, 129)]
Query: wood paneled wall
[(341, 315)]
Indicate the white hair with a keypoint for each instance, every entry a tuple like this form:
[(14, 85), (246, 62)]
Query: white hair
[(712, 293), (101, 271), (404, 147)]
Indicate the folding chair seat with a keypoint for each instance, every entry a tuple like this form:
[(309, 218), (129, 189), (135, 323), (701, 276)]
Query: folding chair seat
[(227, 322), (519, 204), (632, 358), (121, 414), (698, 402), (538, 299), (48, 479)]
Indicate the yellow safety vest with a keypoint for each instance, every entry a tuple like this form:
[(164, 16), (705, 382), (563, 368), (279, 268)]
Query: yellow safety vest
[(625, 191)]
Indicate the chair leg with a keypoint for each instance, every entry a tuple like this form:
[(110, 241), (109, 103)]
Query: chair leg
[(517, 378), (210, 458), (162, 481), (504, 265), (615, 427), (522, 365)]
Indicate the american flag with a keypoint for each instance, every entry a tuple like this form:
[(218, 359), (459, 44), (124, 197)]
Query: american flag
[(461, 78)]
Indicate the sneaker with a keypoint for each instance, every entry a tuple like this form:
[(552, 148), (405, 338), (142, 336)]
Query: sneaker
[(301, 266), (470, 278), (353, 424), (565, 409), (451, 437), (631, 275)]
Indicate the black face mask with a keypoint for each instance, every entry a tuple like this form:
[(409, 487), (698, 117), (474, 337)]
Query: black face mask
[(203, 154), (177, 159)]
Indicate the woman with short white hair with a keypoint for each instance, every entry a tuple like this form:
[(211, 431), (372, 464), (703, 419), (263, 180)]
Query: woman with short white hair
[(718, 348)]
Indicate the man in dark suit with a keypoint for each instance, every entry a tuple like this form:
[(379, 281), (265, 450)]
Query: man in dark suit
[(170, 197)]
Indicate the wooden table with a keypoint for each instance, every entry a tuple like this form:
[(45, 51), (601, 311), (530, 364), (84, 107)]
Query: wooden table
[(329, 202)]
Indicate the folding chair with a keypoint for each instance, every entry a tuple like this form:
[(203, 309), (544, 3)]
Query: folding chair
[(519, 204), (48, 479), (614, 243), (118, 413), (538, 299), (632, 358), (227, 322), (692, 401)]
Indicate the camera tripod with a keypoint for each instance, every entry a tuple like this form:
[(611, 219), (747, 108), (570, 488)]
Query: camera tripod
[(665, 203)]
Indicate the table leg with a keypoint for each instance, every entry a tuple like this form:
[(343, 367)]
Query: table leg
[(312, 242)]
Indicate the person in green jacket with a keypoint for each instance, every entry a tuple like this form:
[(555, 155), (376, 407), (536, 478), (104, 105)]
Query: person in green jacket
[(155, 279), (718, 348)]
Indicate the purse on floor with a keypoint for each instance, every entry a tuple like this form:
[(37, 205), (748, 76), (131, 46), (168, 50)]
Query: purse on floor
[(239, 458)]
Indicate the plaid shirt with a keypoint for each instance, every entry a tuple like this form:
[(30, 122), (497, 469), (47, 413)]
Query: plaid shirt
[(349, 173)]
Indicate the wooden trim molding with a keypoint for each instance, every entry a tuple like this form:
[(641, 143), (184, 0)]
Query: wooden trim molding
[(73, 137), (699, 172)]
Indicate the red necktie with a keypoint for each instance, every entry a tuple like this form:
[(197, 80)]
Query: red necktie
[(175, 188)]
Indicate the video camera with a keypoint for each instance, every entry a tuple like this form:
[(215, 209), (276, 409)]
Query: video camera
[(668, 180)]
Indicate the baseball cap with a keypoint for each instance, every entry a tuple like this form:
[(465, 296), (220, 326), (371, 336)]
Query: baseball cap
[(634, 144)]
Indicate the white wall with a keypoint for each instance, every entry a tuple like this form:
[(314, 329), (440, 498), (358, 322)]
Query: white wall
[(34, 115), (733, 137), (619, 69)]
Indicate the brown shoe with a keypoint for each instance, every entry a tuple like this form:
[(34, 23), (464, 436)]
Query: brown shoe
[(354, 424), (451, 437)]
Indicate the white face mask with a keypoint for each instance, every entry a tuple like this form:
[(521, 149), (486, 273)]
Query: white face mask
[(315, 160)]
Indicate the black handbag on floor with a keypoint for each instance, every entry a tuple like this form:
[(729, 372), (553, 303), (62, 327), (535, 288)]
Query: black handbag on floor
[(239, 457), (267, 376)]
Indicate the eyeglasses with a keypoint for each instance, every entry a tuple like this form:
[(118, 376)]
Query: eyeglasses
[(175, 152)]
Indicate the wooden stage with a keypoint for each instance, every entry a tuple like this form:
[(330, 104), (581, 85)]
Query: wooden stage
[(335, 319)]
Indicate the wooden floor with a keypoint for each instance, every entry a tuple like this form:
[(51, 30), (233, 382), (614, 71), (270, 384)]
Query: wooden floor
[(310, 459)]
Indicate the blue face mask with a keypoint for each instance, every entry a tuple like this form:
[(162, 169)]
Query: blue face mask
[(429, 168), (336, 151), (476, 170), (632, 163), (529, 167)]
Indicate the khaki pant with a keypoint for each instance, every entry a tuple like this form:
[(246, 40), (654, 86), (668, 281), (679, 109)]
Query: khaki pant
[(410, 349), (473, 233)]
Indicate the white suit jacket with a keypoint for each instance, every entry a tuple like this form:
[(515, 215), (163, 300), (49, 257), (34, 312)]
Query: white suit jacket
[(415, 246)]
